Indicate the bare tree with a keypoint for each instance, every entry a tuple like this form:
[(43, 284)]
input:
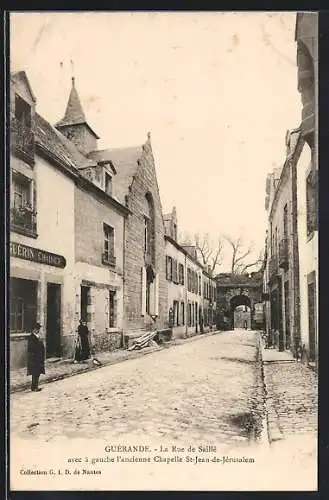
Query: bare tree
[(208, 253), (241, 255), (211, 255)]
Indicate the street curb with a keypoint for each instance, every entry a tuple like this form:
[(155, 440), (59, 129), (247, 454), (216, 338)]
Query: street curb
[(273, 430), (132, 355)]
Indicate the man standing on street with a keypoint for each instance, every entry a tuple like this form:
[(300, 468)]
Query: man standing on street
[(35, 357)]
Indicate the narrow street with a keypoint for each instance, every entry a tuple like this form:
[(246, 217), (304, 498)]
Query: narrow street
[(207, 393), (209, 389)]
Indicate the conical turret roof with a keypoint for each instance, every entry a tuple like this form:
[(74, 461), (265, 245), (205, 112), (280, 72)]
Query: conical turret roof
[(74, 113)]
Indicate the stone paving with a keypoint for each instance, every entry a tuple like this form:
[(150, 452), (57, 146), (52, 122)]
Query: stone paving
[(292, 388), (210, 389)]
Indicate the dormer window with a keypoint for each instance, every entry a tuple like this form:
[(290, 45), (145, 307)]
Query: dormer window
[(108, 184), (22, 112)]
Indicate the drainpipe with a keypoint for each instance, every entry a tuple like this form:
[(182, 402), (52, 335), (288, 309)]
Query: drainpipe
[(185, 290), (295, 259)]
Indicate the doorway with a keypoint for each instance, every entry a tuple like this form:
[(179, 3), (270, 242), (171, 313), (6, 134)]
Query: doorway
[(85, 292), (53, 334), (287, 314), (311, 320)]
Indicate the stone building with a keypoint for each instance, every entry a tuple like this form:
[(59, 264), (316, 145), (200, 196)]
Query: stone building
[(191, 288), (42, 242), (63, 200), (99, 233), (307, 180), (281, 282), (145, 288)]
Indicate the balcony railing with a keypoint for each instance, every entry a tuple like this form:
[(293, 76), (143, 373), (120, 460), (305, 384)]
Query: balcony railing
[(22, 141), (23, 220), (273, 267), (284, 253), (108, 259)]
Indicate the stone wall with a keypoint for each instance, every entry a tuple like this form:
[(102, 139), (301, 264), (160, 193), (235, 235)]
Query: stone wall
[(144, 181)]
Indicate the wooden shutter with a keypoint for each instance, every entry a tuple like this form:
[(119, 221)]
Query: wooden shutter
[(143, 291), (156, 306)]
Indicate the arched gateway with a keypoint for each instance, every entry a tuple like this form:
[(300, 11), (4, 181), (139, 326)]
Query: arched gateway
[(234, 291)]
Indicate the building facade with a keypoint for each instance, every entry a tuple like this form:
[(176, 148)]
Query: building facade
[(99, 234), (191, 289), (42, 235), (281, 271), (307, 181), (67, 231), (145, 288)]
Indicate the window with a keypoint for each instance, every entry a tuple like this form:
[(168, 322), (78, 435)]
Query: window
[(108, 184), (285, 221), (146, 235), (21, 191), (149, 229), (311, 203), (22, 112), (181, 274), (22, 212), (169, 268), (175, 271), (23, 304), (17, 314), (112, 309), (108, 254)]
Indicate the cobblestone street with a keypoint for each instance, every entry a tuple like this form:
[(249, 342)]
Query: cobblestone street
[(209, 389), (209, 392), (294, 392)]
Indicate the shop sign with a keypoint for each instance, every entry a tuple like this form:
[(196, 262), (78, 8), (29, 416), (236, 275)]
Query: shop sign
[(36, 255)]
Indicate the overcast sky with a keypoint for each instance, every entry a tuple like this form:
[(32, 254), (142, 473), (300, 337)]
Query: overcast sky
[(217, 91)]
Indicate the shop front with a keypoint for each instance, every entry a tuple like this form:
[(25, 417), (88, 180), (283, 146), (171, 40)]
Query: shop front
[(36, 295)]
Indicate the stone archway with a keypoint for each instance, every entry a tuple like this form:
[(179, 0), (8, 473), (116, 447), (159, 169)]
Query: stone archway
[(240, 300), (236, 290)]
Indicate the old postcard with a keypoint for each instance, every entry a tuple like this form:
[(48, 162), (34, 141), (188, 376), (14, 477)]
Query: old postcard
[(163, 251)]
